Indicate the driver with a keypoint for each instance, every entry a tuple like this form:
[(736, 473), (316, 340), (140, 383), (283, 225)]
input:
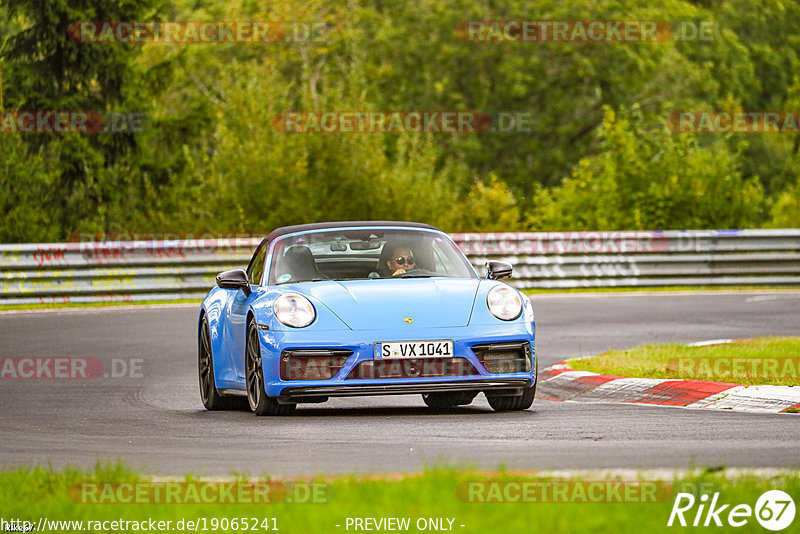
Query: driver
[(401, 261)]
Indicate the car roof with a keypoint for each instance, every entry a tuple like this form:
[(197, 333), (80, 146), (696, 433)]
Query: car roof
[(342, 224)]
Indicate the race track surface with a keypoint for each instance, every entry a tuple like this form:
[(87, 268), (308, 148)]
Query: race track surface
[(156, 423)]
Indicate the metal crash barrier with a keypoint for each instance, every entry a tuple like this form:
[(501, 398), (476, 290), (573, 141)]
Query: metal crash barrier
[(185, 268)]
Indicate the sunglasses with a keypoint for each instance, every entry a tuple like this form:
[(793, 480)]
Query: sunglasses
[(402, 261)]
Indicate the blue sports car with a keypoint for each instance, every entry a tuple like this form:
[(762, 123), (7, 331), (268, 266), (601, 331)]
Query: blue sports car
[(364, 308)]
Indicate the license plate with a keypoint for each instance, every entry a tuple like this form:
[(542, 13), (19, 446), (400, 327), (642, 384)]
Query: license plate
[(397, 350)]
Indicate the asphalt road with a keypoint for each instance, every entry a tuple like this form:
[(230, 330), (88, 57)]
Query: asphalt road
[(157, 423)]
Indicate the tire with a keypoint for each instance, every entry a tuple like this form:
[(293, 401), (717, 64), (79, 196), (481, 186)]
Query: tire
[(444, 401), (513, 402), (257, 397), (209, 395)]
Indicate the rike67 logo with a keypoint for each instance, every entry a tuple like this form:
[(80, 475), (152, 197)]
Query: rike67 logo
[(774, 510)]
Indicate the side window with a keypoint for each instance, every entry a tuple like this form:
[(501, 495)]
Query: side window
[(256, 268)]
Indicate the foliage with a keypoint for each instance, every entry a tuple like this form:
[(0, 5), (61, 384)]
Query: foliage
[(491, 206), (25, 182), (646, 178), (786, 211), (597, 154)]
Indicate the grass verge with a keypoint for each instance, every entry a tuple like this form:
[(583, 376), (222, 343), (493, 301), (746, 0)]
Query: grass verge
[(761, 361), (440, 494)]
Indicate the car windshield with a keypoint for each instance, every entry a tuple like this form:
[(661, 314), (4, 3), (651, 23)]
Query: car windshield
[(359, 254)]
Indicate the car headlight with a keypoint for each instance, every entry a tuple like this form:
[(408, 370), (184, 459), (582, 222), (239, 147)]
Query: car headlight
[(294, 310), (504, 303)]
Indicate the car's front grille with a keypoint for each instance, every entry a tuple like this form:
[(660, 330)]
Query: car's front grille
[(312, 364), (412, 368), (504, 357)]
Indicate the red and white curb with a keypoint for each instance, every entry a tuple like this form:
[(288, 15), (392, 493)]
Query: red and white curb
[(562, 383)]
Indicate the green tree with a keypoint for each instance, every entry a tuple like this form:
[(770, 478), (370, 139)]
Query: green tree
[(491, 206), (211, 158), (643, 178), (26, 183), (44, 70), (786, 210)]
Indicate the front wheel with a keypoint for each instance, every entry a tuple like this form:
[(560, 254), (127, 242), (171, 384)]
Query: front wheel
[(260, 403), (510, 403)]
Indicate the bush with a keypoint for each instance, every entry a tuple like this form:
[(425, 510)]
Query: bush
[(645, 177), (786, 211)]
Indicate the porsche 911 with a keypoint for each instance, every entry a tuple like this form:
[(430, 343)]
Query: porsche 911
[(364, 308)]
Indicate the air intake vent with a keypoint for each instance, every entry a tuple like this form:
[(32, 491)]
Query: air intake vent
[(504, 357), (312, 364), (413, 368)]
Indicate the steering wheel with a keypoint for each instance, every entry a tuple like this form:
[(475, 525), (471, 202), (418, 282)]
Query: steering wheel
[(416, 271)]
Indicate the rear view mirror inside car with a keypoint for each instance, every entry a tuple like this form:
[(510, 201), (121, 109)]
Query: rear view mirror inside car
[(365, 245)]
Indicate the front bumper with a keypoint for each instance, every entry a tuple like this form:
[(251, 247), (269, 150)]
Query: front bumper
[(508, 386), (274, 342)]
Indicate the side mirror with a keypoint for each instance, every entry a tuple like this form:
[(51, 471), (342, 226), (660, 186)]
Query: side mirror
[(234, 279), (495, 270)]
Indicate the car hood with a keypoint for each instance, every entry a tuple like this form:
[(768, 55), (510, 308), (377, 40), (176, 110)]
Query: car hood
[(378, 304)]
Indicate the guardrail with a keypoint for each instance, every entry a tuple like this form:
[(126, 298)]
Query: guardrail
[(650, 259), (185, 269)]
